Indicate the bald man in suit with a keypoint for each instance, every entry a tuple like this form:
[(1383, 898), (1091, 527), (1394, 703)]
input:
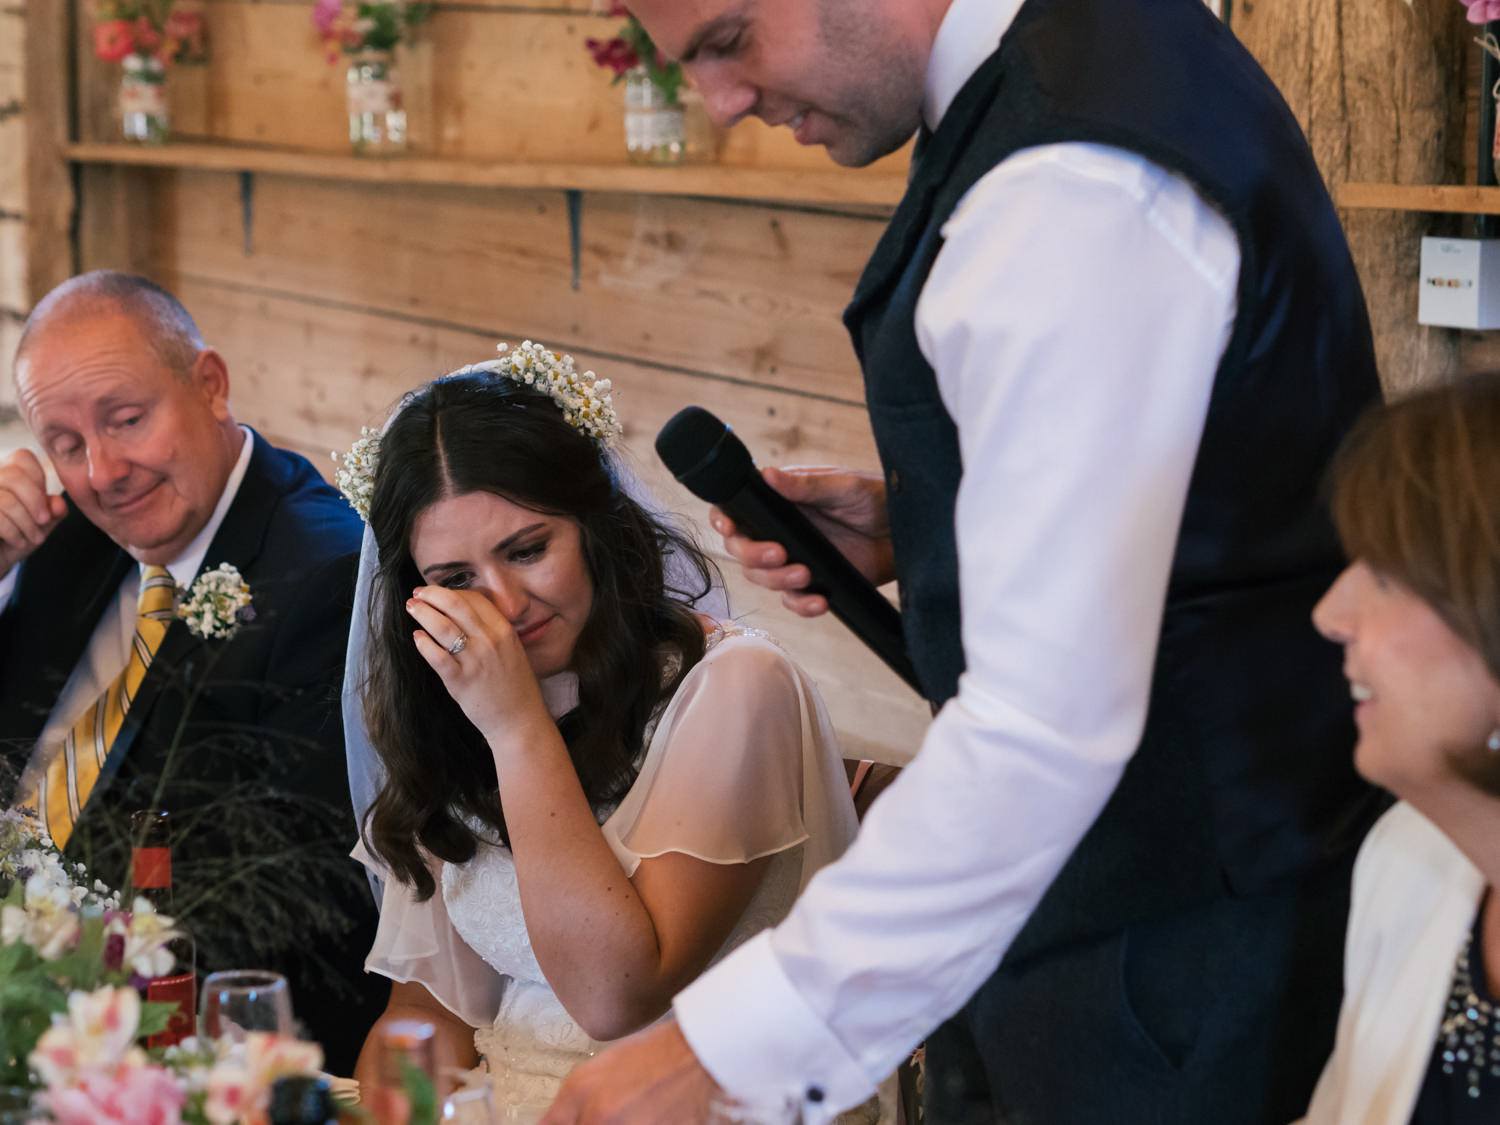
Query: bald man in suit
[(238, 737)]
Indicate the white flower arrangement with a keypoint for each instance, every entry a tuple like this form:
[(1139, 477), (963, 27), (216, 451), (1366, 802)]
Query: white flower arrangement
[(92, 1070), (583, 398), (217, 604), (47, 902), (356, 479), (73, 1018)]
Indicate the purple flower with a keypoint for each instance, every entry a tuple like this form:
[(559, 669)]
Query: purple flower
[(325, 14), (114, 952)]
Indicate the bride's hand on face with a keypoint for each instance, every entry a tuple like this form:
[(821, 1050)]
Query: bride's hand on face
[(489, 677)]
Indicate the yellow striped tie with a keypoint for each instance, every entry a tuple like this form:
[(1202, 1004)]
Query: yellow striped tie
[(71, 775)]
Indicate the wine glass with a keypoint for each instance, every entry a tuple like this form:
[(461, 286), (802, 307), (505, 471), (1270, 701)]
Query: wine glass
[(244, 1000)]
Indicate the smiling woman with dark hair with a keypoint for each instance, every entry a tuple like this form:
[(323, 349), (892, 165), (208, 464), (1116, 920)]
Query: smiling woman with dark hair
[(1417, 503), (589, 791)]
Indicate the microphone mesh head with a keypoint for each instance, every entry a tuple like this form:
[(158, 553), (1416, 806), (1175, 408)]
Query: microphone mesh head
[(704, 454)]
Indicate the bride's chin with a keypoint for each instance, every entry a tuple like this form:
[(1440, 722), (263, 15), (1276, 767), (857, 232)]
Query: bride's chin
[(544, 665)]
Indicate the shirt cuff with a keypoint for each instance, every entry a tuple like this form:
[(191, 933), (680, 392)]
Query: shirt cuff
[(752, 1031), (8, 585)]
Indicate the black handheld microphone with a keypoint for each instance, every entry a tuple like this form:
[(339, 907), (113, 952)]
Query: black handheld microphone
[(714, 465)]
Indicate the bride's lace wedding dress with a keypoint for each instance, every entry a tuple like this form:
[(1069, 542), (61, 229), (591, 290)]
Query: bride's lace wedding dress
[(742, 764)]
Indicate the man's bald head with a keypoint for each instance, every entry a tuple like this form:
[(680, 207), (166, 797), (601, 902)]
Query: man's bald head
[(165, 324), (116, 385)]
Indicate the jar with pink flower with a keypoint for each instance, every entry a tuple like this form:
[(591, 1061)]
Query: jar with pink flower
[(377, 106), (367, 35)]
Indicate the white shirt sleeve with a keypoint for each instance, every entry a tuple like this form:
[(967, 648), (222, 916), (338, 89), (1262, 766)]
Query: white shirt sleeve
[(8, 585), (1075, 318)]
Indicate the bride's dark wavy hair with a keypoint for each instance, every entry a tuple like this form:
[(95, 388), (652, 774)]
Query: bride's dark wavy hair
[(482, 433)]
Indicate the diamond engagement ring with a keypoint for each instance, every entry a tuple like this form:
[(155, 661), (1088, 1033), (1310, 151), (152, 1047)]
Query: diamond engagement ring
[(458, 646)]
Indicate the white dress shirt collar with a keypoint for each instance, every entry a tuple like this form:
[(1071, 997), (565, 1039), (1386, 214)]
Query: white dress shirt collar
[(968, 35), (184, 568)]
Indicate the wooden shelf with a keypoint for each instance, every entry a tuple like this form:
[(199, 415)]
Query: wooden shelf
[(1451, 198), (794, 185)]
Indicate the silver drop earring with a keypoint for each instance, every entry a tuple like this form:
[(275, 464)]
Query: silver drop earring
[(1493, 742)]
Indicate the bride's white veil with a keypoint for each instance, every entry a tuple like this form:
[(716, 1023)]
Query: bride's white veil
[(365, 773)]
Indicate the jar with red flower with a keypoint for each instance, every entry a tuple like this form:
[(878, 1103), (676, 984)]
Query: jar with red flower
[(143, 100), (655, 128), (146, 37), (655, 120)]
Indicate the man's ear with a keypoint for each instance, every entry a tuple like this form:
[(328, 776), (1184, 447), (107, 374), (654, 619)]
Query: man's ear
[(210, 375)]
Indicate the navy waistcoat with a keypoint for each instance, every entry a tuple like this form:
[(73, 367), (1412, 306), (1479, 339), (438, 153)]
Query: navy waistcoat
[(1244, 773)]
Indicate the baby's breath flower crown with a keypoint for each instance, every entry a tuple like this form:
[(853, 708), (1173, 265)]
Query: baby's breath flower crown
[(356, 479), (583, 399)]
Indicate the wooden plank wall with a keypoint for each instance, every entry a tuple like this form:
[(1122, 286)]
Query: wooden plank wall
[(13, 258), (340, 296)]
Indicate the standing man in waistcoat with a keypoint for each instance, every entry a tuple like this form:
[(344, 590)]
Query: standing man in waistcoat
[(1109, 341)]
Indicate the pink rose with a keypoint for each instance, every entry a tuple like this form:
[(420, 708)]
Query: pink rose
[(1482, 11), (126, 1095)]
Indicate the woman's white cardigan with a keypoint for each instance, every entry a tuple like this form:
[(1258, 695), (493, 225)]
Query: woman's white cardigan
[(1414, 899)]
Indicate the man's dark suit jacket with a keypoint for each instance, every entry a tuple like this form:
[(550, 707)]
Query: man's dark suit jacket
[(239, 739)]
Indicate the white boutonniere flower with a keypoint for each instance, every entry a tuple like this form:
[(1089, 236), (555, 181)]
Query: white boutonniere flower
[(217, 604)]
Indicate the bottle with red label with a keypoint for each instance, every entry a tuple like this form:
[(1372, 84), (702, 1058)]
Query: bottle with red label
[(151, 879)]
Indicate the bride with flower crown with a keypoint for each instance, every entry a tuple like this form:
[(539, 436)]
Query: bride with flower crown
[(581, 790)]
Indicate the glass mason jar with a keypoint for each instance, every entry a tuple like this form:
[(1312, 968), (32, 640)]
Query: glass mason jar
[(377, 111), (143, 100), (654, 127)]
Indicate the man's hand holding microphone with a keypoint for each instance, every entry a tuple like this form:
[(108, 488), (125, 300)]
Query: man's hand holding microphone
[(847, 507), (819, 536)]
